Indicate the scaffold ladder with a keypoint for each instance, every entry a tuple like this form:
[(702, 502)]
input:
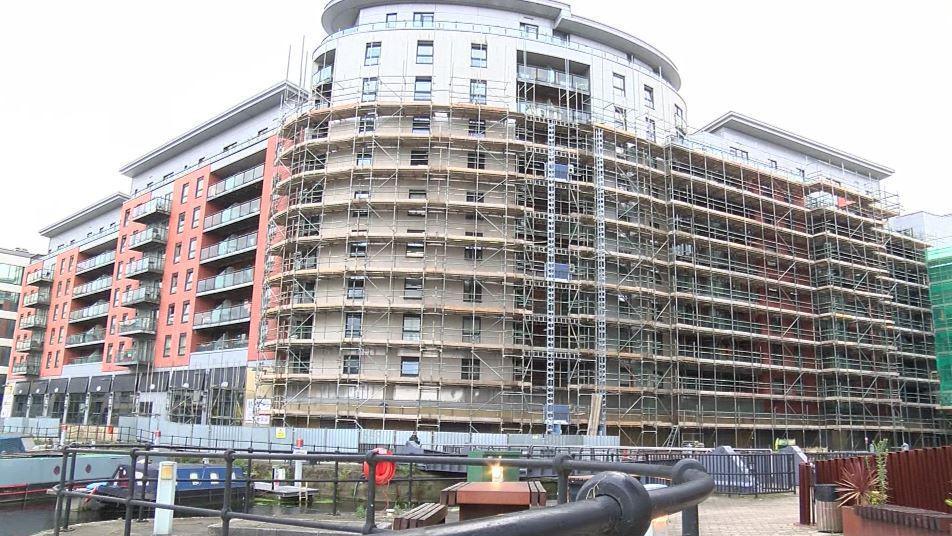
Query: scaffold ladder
[(601, 335), (550, 283)]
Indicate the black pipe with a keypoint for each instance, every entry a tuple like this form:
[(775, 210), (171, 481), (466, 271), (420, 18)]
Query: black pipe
[(69, 500)]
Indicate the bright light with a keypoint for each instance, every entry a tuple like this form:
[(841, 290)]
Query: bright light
[(496, 471)]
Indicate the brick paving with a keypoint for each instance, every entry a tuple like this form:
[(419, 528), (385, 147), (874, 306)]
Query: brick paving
[(768, 515)]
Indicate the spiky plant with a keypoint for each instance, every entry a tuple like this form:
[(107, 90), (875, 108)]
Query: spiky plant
[(857, 483)]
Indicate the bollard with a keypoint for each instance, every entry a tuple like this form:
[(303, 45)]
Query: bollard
[(165, 494)]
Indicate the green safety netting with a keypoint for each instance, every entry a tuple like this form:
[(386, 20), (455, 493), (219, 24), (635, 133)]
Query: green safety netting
[(939, 263)]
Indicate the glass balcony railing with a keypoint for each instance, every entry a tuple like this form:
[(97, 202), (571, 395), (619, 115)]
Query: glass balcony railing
[(223, 344), (151, 235), (33, 299), (27, 367), (103, 259), (548, 111), (143, 294), (322, 75), (161, 206), (139, 354), (33, 322), (87, 313), (228, 247), (94, 357), (98, 285), (225, 315), (234, 213), (235, 181), (150, 263), (144, 325), (31, 344), (552, 77), (226, 280), (39, 277), (97, 335)]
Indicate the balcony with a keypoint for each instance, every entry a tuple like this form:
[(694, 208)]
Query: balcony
[(139, 326), (551, 77), (557, 113), (29, 366), (236, 182), (34, 321), (151, 238), (144, 294), (92, 357), (33, 344), (41, 297), (93, 336), (102, 261), (228, 249), (139, 354), (40, 277), (148, 267), (223, 316), (101, 285), (219, 345), (92, 312), (226, 281), (156, 210), (233, 215)]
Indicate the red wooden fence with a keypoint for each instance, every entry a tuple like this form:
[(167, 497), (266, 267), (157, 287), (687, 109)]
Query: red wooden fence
[(920, 478)]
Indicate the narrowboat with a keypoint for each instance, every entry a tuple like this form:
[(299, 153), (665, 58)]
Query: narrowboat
[(198, 485)]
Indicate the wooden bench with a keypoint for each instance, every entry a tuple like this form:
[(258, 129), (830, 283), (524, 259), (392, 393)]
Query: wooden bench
[(537, 494), (448, 495), (425, 515)]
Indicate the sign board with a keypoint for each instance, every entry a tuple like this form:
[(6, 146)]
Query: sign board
[(280, 433)]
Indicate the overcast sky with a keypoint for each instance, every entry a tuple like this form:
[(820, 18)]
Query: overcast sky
[(88, 86)]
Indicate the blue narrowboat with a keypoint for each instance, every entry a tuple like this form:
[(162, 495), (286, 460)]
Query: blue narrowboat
[(198, 485)]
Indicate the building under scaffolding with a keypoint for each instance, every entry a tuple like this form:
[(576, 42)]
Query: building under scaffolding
[(538, 245)]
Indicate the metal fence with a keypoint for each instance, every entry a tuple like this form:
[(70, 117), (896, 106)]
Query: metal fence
[(742, 473), (611, 502)]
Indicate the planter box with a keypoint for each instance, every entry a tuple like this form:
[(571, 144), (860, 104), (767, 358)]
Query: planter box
[(890, 520)]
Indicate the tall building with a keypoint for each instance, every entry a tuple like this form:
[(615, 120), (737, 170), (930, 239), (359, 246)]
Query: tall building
[(12, 263), (502, 226)]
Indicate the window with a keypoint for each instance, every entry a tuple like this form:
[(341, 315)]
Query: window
[(170, 315), (372, 54), (125, 217), (183, 198), (200, 185), (181, 344), (469, 369), (351, 364), (471, 328), (801, 172), (473, 252), (369, 90), (181, 223), (772, 164), (618, 82), (177, 253), (679, 117), (423, 88), (621, 117), (472, 291), (411, 327), (529, 30), (355, 288), (192, 247), (649, 97), (423, 20), (410, 366), (739, 153), (352, 324), (475, 197), (109, 353), (186, 312), (478, 55), (358, 249), (196, 216), (421, 124), (477, 91), (476, 160), (167, 346), (560, 36), (415, 249), (365, 157), (424, 52), (367, 123), (391, 19), (188, 280), (650, 129), (417, 194), (413, 288), (419, 157)]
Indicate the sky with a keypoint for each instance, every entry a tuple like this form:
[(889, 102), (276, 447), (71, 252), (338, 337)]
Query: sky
[(89, 86)]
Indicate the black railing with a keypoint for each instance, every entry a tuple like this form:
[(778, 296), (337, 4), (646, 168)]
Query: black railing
[(610, 502)]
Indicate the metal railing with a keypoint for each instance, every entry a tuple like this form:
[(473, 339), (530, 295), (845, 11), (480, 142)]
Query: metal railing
[(222, 344), (147, 263), (236, 212), (235, 181), (149, 234), (227, 247), (159, 205), (107, 257), (219, 316), (231, 279), (611, 502), (91, 336), (86, 313), (96, 285)]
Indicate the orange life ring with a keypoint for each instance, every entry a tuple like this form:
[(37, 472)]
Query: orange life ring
[(383, 471)]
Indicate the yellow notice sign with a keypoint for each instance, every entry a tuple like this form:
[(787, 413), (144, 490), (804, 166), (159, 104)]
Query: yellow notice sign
[(280, 433)]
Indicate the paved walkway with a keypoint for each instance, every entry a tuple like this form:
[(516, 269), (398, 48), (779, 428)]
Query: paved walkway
[(767, 515)]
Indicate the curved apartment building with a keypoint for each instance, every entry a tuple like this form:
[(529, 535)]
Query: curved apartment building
[(490, 217)]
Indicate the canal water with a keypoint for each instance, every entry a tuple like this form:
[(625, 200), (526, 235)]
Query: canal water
[(24, 520)]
